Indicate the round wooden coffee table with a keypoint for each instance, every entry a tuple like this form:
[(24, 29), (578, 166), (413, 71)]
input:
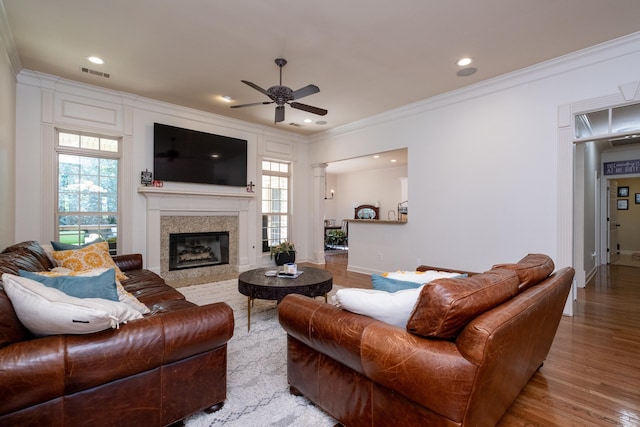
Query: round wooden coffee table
[(314, 282)]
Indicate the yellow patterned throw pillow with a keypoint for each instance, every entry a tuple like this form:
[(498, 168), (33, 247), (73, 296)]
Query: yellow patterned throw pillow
[(88, 258)]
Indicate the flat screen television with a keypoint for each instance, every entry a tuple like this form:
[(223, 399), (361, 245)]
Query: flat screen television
[(183, 155)]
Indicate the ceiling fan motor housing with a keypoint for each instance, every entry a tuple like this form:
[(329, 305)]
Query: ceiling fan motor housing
[(280, 94)]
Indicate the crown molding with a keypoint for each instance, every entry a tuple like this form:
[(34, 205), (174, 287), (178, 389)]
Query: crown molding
[(602, 52)]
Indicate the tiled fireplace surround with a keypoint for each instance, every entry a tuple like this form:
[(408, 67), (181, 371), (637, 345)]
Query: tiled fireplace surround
[(173, 211)]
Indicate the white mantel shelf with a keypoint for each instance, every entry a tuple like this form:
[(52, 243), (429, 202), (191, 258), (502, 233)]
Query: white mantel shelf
[(161, 191), (162, 201)]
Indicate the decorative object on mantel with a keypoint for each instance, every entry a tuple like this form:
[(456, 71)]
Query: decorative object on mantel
[(158, 184), (146, 177), (250, 187), (283, 253)]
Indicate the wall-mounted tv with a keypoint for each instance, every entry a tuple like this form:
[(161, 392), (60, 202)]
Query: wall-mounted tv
[(183, 155)]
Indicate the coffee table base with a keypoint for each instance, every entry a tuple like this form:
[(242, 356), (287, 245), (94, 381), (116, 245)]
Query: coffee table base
[(250, 303)]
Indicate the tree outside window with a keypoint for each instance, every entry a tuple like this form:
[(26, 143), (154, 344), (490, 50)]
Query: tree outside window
[(87, 189)]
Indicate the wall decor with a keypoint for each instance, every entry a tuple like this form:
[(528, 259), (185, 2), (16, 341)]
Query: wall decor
[(621, 167), (623, 191), (637, 198), (146, 177), (623, 204)]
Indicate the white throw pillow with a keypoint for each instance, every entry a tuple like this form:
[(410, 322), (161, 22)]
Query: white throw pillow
[(419, 276), (48, 311), (389, 307)]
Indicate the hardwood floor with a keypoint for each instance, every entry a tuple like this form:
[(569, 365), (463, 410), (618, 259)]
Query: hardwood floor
[(592, 374)]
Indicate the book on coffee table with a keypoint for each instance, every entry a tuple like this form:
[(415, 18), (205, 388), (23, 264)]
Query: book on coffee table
[(284, 275)]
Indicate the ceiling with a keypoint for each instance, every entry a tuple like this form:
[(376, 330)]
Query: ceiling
[(365, 59)]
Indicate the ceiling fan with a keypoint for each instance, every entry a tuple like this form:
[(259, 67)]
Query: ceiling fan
[(281, 95)]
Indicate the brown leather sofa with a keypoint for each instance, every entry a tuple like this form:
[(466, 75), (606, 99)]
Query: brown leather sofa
[(459, 362), (152, 371)]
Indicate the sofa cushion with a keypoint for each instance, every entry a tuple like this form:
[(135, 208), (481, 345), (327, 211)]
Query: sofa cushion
[(102, 285), (445, 306), (48, 311), (400, 280), (389, 307), (88, 258), (34, 257), (531, 269)]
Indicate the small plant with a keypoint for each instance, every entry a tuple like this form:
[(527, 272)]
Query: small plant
[(284, 247), (336, 237)]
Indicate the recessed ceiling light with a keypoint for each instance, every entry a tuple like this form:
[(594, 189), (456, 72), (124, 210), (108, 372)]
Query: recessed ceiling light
[(463, 62), (466, 72), (393, 160), (376, 156), (95, 60), (308, 120)]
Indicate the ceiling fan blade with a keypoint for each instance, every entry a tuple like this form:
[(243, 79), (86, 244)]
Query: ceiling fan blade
[(309, 108), (252, 104), (305, 91), (256, 87), (279, 113)]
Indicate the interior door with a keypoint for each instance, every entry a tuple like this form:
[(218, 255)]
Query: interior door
[(612, 246)]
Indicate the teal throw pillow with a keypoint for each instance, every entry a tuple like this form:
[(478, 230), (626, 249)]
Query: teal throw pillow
[(100, 286), (59, 246), (387, 284)]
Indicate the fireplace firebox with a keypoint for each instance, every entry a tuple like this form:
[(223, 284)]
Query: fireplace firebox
[(194, 250)]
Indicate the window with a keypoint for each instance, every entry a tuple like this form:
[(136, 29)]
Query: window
[(87, 190), (275, 203)]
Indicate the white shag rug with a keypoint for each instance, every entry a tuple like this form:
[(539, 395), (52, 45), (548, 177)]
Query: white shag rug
[(257, 389)]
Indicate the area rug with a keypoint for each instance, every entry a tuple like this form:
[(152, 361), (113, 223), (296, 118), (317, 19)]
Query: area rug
[(257, 390)]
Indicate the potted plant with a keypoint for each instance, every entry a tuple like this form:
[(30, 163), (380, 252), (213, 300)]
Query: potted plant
[(283, 253)]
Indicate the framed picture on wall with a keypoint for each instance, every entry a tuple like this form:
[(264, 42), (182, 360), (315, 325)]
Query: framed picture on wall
[(623, 191), (623, 204), (637, 198)]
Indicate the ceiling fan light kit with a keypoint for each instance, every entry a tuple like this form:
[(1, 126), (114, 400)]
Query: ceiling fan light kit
[(281, 95)]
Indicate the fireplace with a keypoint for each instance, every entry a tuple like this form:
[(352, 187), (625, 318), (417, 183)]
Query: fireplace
[(195, 250)]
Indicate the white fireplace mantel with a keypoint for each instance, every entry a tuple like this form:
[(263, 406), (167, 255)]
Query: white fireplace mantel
[(161, 201)]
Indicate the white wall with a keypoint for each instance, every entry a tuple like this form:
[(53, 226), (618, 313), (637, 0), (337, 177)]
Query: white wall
[(7, 146), (375, 186), (483, 161), (46, 102)]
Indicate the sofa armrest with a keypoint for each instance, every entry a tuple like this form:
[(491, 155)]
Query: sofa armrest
[(128, 261), (429, 372), (330, 330), (32, 371), (145, 344)]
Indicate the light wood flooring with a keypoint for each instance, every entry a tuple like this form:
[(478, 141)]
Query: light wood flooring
[(592, 374)]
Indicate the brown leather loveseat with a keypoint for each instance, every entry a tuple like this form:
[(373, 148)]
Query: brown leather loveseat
[(469, 348), (152, 371)]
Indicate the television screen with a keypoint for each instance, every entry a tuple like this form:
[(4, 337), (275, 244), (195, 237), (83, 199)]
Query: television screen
[(183, 155)]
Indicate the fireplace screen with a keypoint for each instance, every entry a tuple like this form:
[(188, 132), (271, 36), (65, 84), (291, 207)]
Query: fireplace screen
[(192, 250)]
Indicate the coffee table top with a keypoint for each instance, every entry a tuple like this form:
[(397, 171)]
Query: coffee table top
[(313, 282)]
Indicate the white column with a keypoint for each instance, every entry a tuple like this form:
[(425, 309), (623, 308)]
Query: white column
[(317, 218)]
